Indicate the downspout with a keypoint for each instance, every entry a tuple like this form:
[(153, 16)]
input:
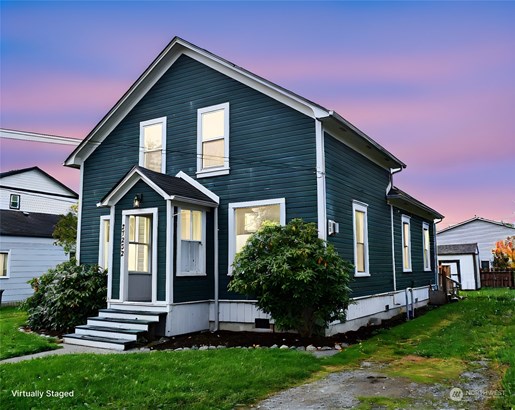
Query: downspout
[(390, 185), (216, 270), (435, 250)]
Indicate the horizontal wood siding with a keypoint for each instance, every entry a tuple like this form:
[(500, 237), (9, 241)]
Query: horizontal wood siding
[(272, 151), (418, 277), (150, 200), (350, 176)]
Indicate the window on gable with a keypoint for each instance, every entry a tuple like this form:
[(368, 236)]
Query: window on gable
[(153, 144), (360, 216), (245, 218), (406, 244), (4, 264), (192, 246), (14, 201), (213, 140), (427, 246)]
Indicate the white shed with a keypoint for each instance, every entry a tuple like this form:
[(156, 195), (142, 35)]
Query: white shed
[(463, 261)]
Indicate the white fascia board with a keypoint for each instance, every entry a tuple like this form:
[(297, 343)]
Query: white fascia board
[(198, 186), (156, 70), (37, 137)]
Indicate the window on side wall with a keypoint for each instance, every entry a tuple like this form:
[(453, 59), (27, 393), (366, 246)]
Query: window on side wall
[(4, 264), (360, 220), (426, 246), (104, 255), (406, 244), (192, 258), (245, 218), (14, 201), (213, 140), (152, 142)]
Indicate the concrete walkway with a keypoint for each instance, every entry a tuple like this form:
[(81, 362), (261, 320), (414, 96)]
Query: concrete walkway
[(66, 349)]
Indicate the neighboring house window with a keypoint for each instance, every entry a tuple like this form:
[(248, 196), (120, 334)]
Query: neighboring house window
[(406, 244), (152, 142), (104, 254), (14, 201), (213, 140), (485, 265), (140, 231), (245, 218), (4, 264), (427, 246), (360, 217), (191, 258)]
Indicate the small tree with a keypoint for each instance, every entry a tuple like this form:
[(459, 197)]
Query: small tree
[(504, 253), (296, 277), (65, 231)]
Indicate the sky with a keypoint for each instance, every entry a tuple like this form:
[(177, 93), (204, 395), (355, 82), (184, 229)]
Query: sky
[(432, 82)]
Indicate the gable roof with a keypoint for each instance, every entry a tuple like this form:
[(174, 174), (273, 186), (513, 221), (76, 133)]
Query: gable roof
[(175, 188), (458, 249), (71, 192), (30, 224), (402, 200), (177, 47), (478, 218)]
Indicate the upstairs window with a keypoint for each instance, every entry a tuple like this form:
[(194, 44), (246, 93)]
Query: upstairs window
[(14, 201), (213, 140), (406, 244), (360, 215), (192, 249), (426, 246), (152, 142)]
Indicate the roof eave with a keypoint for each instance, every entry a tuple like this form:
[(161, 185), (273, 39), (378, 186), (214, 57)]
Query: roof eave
[(414, 206)]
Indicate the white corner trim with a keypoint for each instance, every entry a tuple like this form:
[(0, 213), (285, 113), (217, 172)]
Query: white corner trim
[(79, 214), (321, 182), (199, 186), (169, 251)]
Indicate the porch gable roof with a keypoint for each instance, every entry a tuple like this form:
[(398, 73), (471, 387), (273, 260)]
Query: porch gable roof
[(169, 187)]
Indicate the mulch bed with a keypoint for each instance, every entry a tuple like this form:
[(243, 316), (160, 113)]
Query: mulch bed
[(251, 339)]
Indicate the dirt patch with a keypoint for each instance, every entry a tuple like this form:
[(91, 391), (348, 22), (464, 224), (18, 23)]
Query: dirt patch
[(371, 387)]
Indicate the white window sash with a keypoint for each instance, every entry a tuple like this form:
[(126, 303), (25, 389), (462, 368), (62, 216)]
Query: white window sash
[(426, 246), (142, 151), (201, 250), (7, 255), (406, 244), (358, 206)]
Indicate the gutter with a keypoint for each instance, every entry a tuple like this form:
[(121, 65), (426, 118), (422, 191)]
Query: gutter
[(390, 185), (435, 247)]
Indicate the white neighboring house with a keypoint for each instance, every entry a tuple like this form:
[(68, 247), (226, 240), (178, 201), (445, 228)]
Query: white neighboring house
[(30, 204), (463, 261), (484, 232)]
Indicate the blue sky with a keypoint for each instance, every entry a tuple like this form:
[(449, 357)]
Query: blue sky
[(433, 82)]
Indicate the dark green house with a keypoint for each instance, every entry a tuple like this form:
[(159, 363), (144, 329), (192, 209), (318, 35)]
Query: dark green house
[(190, 162)]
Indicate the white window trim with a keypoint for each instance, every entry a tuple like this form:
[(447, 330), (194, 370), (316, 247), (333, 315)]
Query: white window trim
[(101, 233), (425, 227), (362, 207), (10, 201), (232, 222), (178, 268), (214, 171), (142, 125), (124, 260), (8, 272), (406, 219)]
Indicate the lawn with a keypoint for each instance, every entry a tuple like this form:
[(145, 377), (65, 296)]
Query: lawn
[(15, 343), (436, 347)]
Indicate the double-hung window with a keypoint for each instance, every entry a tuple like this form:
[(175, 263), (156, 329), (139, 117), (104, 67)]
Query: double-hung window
[(213, 140), (245, 218), (360, 217), (192, 257), (426, 246), (406, 244), (4, 264), (104, 241), (152, 142), (14, 201)]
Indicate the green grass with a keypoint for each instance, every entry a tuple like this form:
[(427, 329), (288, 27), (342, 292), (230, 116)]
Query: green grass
[(15, 343), (218, 379)]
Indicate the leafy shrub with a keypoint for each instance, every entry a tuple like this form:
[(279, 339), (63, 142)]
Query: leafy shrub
[(65, 296), (296, 277)]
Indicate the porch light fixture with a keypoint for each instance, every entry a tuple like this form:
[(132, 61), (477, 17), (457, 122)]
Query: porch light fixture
[(138, 199)]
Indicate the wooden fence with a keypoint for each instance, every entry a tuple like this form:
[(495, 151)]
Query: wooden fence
[(497, 279)]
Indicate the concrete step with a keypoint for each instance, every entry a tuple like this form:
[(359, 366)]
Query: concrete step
[(99, 342), (111, 332), (119, 323), (131, 314)]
